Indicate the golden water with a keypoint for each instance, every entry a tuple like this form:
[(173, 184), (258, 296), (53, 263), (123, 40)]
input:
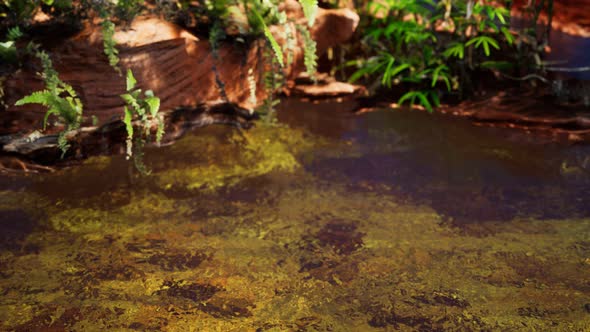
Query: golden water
[(382, 222)]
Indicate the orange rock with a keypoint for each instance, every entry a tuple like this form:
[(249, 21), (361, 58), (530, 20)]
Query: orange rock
[(172, 62)]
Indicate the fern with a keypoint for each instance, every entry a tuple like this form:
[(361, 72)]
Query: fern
[(310, 10), (290, 44), (49, 74), (484, 41), (278, 53), (309, 52), (252, 87), (108, 33), (143, 109), (14, 34), (38, 97), (59, 97)]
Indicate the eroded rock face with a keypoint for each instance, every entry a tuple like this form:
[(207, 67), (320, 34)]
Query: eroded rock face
[(569, 16), (172, 62)]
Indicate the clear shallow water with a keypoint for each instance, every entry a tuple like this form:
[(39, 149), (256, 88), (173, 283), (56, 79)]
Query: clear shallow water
[(384, 221)]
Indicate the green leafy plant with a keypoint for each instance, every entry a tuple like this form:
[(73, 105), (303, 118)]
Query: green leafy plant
[(253, 19), (60, 99), (8, 52), (431, 49), (109, 44), (143, 109)]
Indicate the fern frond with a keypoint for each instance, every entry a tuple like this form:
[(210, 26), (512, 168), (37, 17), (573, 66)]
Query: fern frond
[(49, 112), (14, 34), (109, 44), (49, 74), (271, 39), (62, 143), (43, 97), (309, 52), (310, 10)]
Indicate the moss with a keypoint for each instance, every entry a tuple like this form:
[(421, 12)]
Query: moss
[(245, 154)]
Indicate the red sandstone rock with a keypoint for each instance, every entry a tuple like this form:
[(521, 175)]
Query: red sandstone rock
[(172, 62)]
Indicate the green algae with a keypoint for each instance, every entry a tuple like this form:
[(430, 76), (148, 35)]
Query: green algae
[(245, 154), (300, 254), (273, 269)]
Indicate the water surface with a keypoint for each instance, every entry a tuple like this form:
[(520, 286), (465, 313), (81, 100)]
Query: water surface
[(385, 221)]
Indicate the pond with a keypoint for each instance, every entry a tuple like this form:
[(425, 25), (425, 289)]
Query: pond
[(328, 221)]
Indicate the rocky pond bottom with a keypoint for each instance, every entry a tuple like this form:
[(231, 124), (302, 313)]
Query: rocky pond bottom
[(386, 221)]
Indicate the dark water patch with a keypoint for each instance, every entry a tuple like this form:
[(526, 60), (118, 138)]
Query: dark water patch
[(221, 307), (465, 173), (47, 320), (177, 261), (195, 292), (15, 226), (340, 235)]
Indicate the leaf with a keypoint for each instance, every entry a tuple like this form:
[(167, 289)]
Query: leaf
[(127, 120), (424, 101), (484, 41), (435, 99), (386, 80), (508, 35), (400, 68), (14, 34), (43, 97), (310, 9), (436, 73), (273, 43), (153, 104), (160, 130), (130, 100), (131, 81), (412, 95), (47, 114), (500, 65), (358, 74), (456, 50), (408, 95)]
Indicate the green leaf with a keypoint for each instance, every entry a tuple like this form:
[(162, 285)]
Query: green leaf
[(500, 65), (400, 68), (485, 42), (131, 81), (386, 79), (508, 35), (14, 34), (130, 100), (127, 120), (43, 97), (310, 9), (47, 114), (412, 95), (153, 104), (271, 39), (359, 73), (434, 96), (437, 72), (456, 50), (424, 101)]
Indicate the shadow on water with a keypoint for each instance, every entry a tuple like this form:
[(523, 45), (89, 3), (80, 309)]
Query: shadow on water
[(467, 173)]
